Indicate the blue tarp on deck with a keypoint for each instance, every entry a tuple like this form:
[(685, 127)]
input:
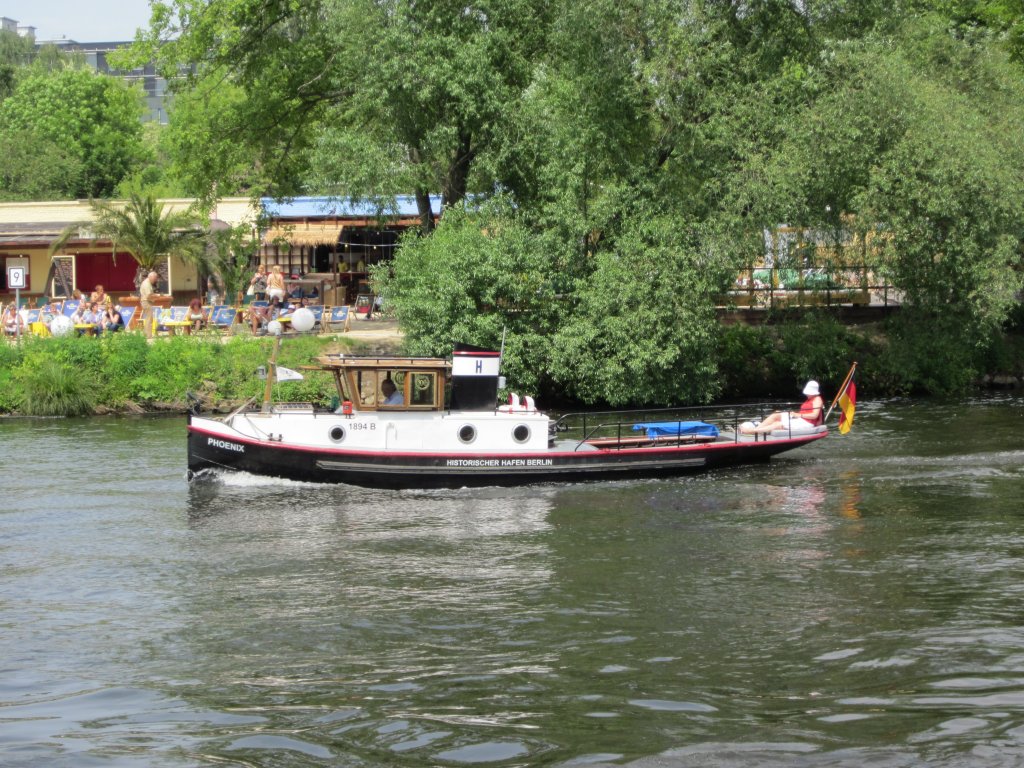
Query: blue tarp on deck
[(674, 428)]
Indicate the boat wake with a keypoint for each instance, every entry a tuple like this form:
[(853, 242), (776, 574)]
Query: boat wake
[(236, 479)]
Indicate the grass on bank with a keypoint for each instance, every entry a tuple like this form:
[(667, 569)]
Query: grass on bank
[(72, 376), (122, 372)]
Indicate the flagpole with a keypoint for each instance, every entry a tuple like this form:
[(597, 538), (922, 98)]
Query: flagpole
[(842, 389)]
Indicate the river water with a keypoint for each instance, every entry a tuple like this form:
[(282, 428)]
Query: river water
[(856, 602)]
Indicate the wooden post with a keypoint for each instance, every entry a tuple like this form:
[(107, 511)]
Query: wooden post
[(271, 375)]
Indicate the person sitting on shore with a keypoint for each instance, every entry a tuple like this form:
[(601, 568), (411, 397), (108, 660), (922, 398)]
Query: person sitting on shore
[(94, 315), (88, 313), (78, 316), (260, 317), (12, 320), (99, 296), (810, 415), (46, 315), (195, 314), (112, 320)]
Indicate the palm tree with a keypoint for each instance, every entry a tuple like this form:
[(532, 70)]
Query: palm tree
[(144, 229)]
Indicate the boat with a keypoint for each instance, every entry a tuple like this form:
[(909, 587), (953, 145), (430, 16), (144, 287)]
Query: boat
[(414, 422)]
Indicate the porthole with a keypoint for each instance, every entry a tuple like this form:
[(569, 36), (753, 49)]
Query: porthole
[(521, 433), (467, 433), (336, 433)]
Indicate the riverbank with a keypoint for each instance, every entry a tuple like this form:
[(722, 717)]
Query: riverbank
[(126, 374)]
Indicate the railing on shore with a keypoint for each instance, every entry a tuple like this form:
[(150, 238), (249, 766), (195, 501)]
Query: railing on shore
[(785, 287)]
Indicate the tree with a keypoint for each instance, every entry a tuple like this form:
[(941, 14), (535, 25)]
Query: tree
[(36, 168), (643, 328), (426, 84), (93, 117), (914, 147), (616, 162), (15, 53), (156, 173), (145, 229), (198, 150), (481, 277)]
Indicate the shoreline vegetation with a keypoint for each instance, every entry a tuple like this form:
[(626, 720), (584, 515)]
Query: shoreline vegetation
[(123, 374), (588, 181)]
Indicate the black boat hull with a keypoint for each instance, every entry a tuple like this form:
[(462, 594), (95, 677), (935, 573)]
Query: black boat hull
[(211, 451)]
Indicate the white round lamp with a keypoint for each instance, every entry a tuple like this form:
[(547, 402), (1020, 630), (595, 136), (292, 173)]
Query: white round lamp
[(61, 325), (303, 320)]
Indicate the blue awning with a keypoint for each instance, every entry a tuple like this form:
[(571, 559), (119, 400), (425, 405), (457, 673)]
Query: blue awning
[(335, 207)]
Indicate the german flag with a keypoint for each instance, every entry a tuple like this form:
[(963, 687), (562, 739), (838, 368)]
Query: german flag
[(847, 405)]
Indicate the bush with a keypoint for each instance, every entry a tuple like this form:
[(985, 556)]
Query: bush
[(10, 358), (927, 354), (745, 361), (758, 361), (80, 353), (51, 387), (73, 375), (174, 366), (124, 361)]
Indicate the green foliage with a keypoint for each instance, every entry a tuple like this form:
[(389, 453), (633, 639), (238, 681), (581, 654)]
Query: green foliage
[(643, 328), (79, 353), (623, 160), (231, 252), (73, 375), (316, 387), (199, 149), (482, 274), (53, 387), (817, 347), (173, 367), (1002, 19), (10, 359), (424, 85), (156, 174), (15, 52), (1005, 355), (37, 168), (776, 360), (124, 361), (926, 354), (913, 148), (950, 205), (236, 378), (747, 363), (92, 117)]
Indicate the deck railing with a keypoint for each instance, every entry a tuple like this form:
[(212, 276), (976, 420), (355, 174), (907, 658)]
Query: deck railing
[(614, 429)]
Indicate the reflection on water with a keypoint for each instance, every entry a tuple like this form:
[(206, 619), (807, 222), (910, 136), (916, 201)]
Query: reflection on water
[(855, 603)]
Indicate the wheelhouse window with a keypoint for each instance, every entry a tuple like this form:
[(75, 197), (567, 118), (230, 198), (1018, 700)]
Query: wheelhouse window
[(395, 389), (423, 389)]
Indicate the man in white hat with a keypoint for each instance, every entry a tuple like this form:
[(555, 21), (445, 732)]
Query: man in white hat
[(810, 415)]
